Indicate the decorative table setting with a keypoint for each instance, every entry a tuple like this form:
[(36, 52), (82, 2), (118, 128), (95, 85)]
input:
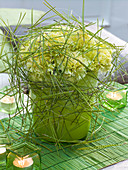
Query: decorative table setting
[(63, 95)]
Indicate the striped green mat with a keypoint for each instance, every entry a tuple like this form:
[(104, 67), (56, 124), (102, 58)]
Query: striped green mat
[(111, 149)]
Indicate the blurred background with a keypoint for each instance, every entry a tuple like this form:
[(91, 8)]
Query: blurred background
[(113, 12)]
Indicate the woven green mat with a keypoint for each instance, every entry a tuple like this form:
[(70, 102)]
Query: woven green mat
[(111, 149)]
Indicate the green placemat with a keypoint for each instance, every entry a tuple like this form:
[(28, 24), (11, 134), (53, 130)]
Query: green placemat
[(95, 155)]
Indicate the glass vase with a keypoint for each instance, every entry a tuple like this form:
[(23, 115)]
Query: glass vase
[(63, 116)]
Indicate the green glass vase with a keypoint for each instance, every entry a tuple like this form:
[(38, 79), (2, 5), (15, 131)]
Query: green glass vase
[(66, 116)]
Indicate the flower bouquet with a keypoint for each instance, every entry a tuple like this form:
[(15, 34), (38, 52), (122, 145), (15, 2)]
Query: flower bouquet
[(61, 63), (62, 74)]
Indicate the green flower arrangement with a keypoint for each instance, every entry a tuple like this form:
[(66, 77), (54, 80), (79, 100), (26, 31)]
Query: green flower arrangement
[(62, 62)]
